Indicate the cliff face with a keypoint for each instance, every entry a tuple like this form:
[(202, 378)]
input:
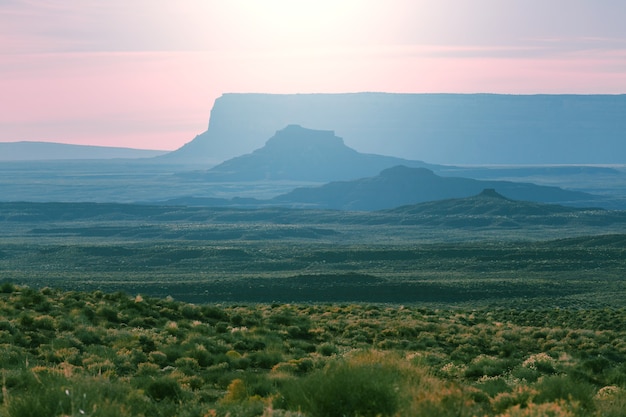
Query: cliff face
[(436, 128), (241, 123)]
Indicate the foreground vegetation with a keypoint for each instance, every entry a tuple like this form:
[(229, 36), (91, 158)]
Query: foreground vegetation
[(112, 354)]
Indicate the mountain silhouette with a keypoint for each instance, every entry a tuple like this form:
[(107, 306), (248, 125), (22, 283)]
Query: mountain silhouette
[(488, 202), (491, 209), (402, 185), (299, 154), (465, 129)]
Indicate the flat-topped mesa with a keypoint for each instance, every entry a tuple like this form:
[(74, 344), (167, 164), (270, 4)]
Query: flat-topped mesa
[(296, 137), (296, 129), (466, 129), (300, 154)]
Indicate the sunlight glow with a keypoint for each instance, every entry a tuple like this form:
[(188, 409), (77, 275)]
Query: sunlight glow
[(305, 23), (96, 72)]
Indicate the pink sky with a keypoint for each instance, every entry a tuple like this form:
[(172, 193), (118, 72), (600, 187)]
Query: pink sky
[(145, 74)]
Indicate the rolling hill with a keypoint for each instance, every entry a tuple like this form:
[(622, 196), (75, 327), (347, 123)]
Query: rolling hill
[(492, 210), (299, 154), (403, 185), (487, 210)]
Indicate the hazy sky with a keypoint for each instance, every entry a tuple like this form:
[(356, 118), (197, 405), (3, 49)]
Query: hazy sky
[(145, 73)]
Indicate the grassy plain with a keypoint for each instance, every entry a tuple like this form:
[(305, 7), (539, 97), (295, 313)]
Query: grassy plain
[(280, 255), (583, 272)]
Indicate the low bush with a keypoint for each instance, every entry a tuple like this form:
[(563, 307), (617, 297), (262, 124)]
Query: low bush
[(346, 388), (163, 388), (565, 388)]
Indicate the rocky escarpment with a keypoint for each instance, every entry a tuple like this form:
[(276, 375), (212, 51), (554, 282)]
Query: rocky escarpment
[(437, 128)]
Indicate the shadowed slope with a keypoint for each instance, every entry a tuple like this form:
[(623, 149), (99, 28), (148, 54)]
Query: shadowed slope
[(296, 153), (488, 202), (402, 185)]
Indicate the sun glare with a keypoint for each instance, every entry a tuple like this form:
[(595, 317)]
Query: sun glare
[(293, 23)]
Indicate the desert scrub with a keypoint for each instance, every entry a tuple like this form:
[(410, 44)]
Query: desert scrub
[(376, 383), (349, 387), (610, 401), (327, 349), (44, 393), (566, 388), (290, 359)]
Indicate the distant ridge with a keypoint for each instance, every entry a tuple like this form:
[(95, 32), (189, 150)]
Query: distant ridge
[(487, 203), (436, 128), (46, 151), (300, 154), (484, 211), (401, 185), (489, 209)]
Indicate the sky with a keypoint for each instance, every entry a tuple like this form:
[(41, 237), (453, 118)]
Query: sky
[(145, 73)]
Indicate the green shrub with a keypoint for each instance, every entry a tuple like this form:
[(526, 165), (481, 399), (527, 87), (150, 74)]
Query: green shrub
[(597, 365), (259, 384), (617, 375), (7, 326), (346, 389), (191, 312), (203, 356), (48, 394), (564, 387), (40, 401), (164, 388), (236, 320), (327, 349), (610, 401), (213, 314), (45, 322), (159, 358), (521, 396), (265, 359), (221, 327), (525, 374), (188, 366), (11, 356), (493, 386), (147, 344), (88, 336), (485, 366), (108, 313), (26, 320), (7, 287)]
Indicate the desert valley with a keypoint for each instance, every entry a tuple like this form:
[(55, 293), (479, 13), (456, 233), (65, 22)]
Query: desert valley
[(313, 276)]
